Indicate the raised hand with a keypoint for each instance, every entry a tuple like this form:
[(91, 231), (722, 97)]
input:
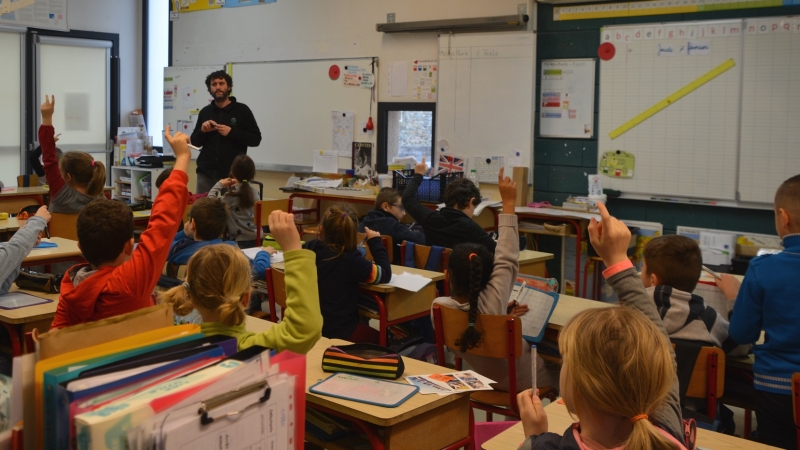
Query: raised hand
[(531, 413), (508, 191), (371, 234), (610, 237), (284, 230), (421, 168), (47, 109)]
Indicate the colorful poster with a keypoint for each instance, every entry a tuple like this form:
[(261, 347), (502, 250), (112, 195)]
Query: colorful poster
[(567, 98), (424, 79)]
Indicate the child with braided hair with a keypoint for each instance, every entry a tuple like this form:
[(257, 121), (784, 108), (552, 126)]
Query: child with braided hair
[(481, 284)]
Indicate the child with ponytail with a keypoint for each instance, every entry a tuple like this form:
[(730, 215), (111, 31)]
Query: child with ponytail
[(341, 268), (618, 373), (76, 178), (481, 283), (237, 192), (218, 286)]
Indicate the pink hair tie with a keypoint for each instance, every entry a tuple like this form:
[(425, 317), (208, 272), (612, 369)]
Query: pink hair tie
[(92, 163)]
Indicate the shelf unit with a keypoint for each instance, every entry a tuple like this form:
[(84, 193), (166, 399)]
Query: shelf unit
[(127, 185)]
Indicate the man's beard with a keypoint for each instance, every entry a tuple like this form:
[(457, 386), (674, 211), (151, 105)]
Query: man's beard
[(225, 95)]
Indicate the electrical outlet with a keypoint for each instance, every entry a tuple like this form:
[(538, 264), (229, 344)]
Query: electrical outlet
[(390, 18), (522, 8)]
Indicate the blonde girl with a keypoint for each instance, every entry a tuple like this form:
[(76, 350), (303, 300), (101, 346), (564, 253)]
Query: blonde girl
[(618, 373), (76, 178), (218, 286)]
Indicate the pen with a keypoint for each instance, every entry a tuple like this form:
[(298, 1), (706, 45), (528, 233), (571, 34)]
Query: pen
[(363, 241), (522, 286), (712, 273), (533, 367), (194, 148)]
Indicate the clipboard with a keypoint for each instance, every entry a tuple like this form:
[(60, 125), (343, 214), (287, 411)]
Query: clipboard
[(371, 391), (541, 305), (14, 300)]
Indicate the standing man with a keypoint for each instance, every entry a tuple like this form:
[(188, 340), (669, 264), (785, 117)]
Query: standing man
[(225, 128)]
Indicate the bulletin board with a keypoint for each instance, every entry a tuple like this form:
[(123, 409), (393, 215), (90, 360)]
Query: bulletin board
[(567, 98)]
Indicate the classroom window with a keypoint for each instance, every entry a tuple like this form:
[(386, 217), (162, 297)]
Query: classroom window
[(405, 129), (156, 58)]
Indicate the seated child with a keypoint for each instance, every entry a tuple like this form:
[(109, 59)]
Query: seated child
[(13, 252), (453, 224), (118, 278), (237, 192), (206, 225), (34, 159), (767, 301), (218, 287), (341, 268), (76, 178), (490, 293), (670, 272), (386, 217), (618, 372)]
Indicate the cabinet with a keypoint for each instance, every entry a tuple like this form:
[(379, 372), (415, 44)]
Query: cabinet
[(132, 183)]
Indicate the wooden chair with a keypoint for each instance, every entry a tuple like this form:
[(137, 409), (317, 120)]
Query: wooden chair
[(421, 255), (27, 180), (387, 243), (276, 289), (175, 271), (796, 404), (707, 378), (262, 211), (502, 335), (64, 226)]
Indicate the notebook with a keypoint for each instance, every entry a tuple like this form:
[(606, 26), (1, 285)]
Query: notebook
[(14, 300), (540, 307), (365, 390)]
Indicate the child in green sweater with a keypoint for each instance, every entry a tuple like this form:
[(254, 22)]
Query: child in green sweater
[(218, 285)]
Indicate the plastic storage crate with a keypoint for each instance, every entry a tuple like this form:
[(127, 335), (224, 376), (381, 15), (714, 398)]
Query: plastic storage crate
[(431, 189)]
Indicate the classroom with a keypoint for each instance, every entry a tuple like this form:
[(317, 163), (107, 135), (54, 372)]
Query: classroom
[(343, 224)]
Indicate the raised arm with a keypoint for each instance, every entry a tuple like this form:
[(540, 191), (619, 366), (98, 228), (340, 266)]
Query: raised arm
[(410, 201), (13, 252), (48, 143)]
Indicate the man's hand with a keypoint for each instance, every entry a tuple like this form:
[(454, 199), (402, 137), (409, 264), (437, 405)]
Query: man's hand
[(508, 192), (610, 237), (223, 129), (47, 109), (421, 168), (284, 230), (208, 126), (531, 412), (43, 213), (270, 250), (729, 286), (371, 234), (180, 146)]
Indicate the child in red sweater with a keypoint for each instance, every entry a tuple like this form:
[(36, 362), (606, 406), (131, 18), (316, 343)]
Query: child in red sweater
[(118, 278)]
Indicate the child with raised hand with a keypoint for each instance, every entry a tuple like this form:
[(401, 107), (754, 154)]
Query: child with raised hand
[(13, 252), (237, 192), (618, 373), (76, 178), (341, 268), (481, 283), (218, 285), (119, 277)]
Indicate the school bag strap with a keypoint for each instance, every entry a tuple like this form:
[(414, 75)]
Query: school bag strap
[(363, 359)]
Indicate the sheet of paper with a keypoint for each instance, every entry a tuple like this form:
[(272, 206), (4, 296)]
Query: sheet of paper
[(449, 383), (424, 79), (187, 97), (409, 281), (342, 126), (713, 297), (398, 79), (326, 163), (253, 251), (540, 305)]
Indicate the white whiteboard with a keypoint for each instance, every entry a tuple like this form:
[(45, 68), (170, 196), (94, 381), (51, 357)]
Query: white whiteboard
[(292, 102), (690, 148), (10, 106), (770, 107), (566, 103), (185, 94), (485, 104)]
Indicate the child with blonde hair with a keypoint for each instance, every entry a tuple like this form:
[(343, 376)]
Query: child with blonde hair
[(618, 373), (341, 268), (218, 286), (76, 178)]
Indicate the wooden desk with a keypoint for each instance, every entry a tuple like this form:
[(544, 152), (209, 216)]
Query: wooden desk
[(559, 420), (441, 420), (22, 320), (67, 250), (8, 227), (532, 263), (568, 306)]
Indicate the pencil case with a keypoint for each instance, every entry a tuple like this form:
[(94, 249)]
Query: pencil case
[(363, 359), (42, 282)]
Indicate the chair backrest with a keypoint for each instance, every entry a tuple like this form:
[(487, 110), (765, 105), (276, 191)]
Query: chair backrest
[(421, 255), (64, 226), (700, 382), (262, 211), (175, 271), (276, 289), (385, 240), (502, 335), (31, 180)]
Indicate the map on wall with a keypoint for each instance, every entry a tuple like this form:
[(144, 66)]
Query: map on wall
[(192, 5), (49, 14)]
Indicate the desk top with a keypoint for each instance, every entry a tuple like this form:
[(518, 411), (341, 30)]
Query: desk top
[(397, 270), (568, 306), (142, 214), (30, 313), (18, 191), (377, 415), (530, 256), (559, 420), (66, 248), (9, 224)]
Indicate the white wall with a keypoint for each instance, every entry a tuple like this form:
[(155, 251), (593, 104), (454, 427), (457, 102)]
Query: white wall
[(320, 29), (123, 17)]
